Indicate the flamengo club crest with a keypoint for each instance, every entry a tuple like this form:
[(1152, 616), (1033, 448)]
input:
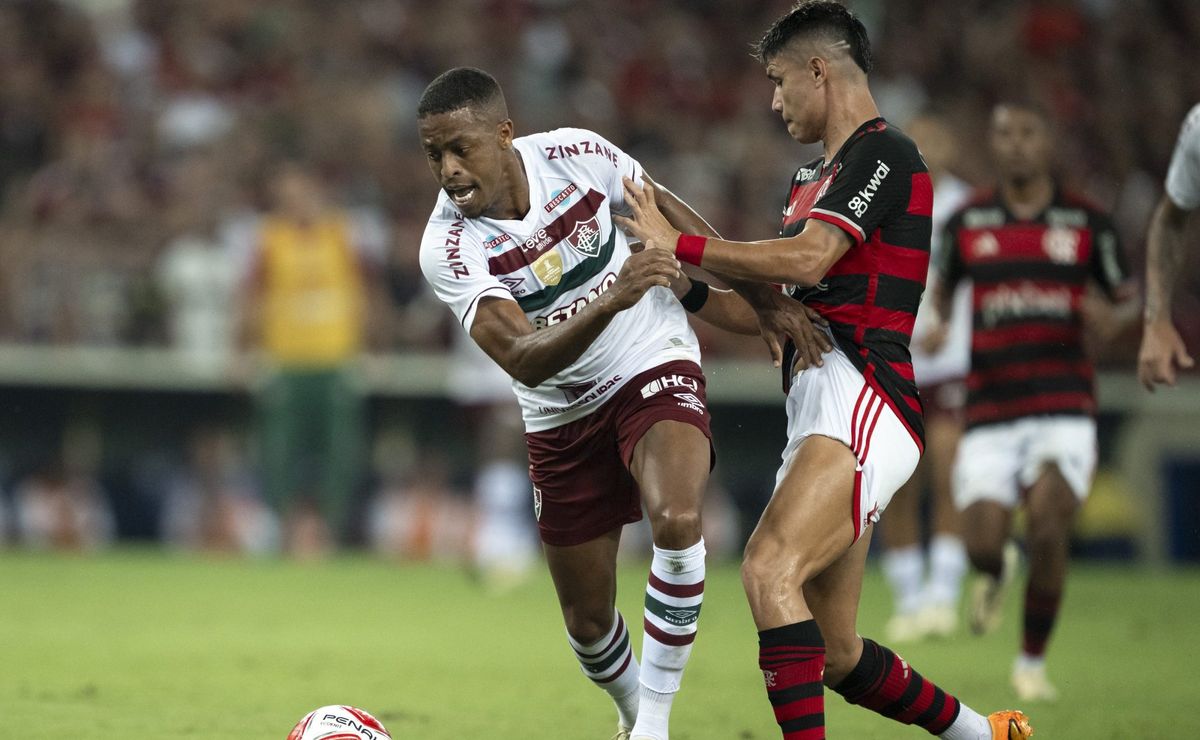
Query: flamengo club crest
[(585, 239), (1061, 245)]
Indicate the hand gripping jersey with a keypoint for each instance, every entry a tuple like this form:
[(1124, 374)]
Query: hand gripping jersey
[(553, 262), (876, 189), (1183, 177), (1029, 279)]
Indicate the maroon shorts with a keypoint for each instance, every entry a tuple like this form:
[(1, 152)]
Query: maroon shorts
[(580, 471)]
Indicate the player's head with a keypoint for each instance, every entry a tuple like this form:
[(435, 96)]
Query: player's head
[(1019, 136), (464, 127), (818, 43)]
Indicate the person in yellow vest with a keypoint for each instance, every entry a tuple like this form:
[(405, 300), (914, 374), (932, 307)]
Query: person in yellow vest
[(309, 295)]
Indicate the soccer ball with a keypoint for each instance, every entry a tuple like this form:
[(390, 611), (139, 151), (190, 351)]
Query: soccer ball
[(338, 722)]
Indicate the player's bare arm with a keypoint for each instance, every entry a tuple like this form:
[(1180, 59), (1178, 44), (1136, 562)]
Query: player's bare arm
[(941, 299), (1162, 348), (800, 260), (532, 356), (773, 314)]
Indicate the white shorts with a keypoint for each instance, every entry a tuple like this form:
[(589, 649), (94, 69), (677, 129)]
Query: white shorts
[(997, 462), (834, 400)]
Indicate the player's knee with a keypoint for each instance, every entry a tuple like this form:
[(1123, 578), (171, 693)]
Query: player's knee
[(1048, 533), (771, 568), (588, 626), (676, 529), (985, 555)]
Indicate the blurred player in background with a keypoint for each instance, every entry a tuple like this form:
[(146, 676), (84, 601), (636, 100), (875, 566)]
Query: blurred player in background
[(522, 248), (1031, 250), (1162, 349), (505, 545), (855, 247), (310, 295), (927, 589)]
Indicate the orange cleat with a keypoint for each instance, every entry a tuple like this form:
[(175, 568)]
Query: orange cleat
[(1009, 725)]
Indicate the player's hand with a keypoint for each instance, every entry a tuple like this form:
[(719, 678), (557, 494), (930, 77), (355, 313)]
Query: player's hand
[(641, 272), (787, 317), (646, 221), (1162, 351)]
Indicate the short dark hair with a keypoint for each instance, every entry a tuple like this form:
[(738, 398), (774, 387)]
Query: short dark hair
[(461, 87), (825, 17)]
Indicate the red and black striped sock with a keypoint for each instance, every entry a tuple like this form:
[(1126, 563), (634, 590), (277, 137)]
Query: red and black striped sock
[(792, 659), (1041, 610), (884, 682)]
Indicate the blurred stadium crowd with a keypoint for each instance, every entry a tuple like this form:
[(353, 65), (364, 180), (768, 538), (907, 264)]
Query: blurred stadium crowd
[(141, 140)]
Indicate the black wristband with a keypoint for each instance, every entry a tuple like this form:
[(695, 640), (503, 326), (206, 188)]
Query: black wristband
[(694, 300)]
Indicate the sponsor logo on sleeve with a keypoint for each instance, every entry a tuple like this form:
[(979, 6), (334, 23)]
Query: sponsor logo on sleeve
[(861, 202)]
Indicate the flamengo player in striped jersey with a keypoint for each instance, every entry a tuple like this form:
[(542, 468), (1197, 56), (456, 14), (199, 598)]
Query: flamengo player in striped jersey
[(1162, 347), (1030, 250), (855, 246), (522, 248)]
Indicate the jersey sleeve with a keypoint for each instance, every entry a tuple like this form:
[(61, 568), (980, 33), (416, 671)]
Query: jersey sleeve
[(1109, 267), (1183, 176), (454, 263), (872, 186), (612, 164)]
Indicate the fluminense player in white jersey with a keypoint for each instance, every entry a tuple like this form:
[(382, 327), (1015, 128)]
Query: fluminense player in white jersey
[(522, 248), (1162, 348)]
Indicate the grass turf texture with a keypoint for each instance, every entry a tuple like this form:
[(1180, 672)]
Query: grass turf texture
[(139, 644)]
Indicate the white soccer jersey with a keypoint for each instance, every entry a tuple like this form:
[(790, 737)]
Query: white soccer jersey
[(953, 360), (1183, 177), (562, 255)]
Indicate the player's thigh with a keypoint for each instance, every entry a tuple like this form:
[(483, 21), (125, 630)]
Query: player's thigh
[(1051, 503), (903, 525), (808, 523), (988, 465), (585, 579), (670, 464)]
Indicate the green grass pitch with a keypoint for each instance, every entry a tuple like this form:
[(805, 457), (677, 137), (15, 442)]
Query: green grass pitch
[(140, 644)]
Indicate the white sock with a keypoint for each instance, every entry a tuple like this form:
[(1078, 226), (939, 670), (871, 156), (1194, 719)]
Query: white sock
[(612, 666), (1025, 662), (968, 725), (674, 594), (947, 568), (904, 567)]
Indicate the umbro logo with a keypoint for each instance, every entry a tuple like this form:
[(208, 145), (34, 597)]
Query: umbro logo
[(682, 616)]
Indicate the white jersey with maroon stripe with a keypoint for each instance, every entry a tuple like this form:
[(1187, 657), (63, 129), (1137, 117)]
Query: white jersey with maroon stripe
[(561, 256)]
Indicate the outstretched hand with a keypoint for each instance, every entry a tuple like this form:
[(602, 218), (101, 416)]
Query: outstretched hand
[(646, 221)]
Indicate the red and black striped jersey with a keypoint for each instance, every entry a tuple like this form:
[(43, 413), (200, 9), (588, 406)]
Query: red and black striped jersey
[(1029, 281), (876, 189)]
